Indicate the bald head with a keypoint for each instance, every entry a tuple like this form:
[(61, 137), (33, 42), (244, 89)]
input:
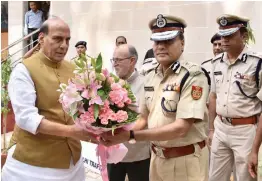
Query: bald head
[(124, 60), (54, 38), (130, 49), (52, 22)]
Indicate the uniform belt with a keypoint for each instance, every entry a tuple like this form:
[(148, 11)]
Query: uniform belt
[(176, 151), (239, 121)]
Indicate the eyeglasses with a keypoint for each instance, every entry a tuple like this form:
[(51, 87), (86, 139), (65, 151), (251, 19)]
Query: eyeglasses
[(115, 60)]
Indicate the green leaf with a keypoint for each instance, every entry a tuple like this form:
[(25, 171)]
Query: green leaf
[(113, 129), (93, 62), (102, 94), (115, 77), (75, 116), (98, 67), (96, 111), (77, 62), (5, 76)]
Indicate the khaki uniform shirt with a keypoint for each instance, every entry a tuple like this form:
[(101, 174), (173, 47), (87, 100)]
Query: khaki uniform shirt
[(140, 150), (148, 65), (162, 105), (230, 101), (208, 65)]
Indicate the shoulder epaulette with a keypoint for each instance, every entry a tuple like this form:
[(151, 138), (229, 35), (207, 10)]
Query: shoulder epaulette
[(218, 57), (192, 68), (148, 60), (206, 61), (254, 54)]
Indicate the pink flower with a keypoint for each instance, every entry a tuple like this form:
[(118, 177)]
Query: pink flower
[(116, 86), (80, 107), (92, 75), (113, 117), (69, 97), (119, 95), (115, 96), (88, 117), (128, 101), (104, 121), (96, 100), (79, 82), (121, 116), (106, 73), (110, 80), (105, 113), (91, 94), (121, 105)]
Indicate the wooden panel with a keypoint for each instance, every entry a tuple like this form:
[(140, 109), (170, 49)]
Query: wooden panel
[(4, 43)]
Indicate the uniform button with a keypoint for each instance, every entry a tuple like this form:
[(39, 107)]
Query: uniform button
[(224, 105), (227, 80), (225, 92)]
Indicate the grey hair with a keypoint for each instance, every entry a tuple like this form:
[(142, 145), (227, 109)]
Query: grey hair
[(132, 52)]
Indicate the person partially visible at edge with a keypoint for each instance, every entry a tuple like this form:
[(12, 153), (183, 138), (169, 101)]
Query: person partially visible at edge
[(149, 54), (80, 49), (32, 51), (149, 63), (33, 20), (253, 157), (120, 40), (217, 49), (174, 110), (136, 163), (208, 64), (45, 144), (235, 102)]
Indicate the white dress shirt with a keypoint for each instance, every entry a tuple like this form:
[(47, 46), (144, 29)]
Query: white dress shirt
[(23, 96), (33, 20)]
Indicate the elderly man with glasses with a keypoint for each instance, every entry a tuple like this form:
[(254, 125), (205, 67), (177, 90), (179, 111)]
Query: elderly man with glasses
[(137, 161)]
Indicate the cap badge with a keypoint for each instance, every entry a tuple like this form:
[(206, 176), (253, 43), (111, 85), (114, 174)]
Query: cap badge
[(160, 21), (223, 21)]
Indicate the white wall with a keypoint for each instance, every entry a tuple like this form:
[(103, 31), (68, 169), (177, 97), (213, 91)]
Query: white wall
[(15, 26), (99, 23)]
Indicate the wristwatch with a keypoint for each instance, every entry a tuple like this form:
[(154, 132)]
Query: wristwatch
[(132, 139)]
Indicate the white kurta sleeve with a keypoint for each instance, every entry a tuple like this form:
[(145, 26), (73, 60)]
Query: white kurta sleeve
[(22, 94)]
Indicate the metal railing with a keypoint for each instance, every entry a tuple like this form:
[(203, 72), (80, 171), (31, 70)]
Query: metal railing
[(13, 63), (30, 35)]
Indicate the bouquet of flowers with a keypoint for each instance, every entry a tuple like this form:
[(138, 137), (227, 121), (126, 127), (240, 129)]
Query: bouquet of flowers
[(99, 101)]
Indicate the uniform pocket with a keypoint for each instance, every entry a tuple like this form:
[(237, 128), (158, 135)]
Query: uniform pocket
[(149, 99), (218, 81), (169, 101)]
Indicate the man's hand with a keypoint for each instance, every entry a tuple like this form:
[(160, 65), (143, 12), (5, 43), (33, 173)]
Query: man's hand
[(252, 164), (119, 136), (78, 133), (210, 138)]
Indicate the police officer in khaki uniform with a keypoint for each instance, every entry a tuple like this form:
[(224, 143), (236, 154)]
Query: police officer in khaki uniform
[(235, 100), (173, 106), (80, 49), (217, 49)]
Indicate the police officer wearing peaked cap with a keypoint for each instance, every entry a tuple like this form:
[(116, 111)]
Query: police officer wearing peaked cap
[(235, 102), (80, 49), (173, 107)]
